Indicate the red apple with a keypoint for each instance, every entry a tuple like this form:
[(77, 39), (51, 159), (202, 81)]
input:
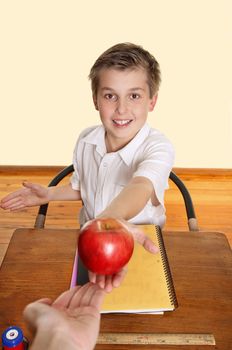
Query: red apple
[(105, 245)]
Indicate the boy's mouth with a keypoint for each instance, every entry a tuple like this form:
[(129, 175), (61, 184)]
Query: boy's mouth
[(122, 122)]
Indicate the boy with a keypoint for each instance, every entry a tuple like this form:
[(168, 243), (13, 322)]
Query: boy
[(121, 167)]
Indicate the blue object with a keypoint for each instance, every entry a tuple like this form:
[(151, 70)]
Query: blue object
[(12, 337)]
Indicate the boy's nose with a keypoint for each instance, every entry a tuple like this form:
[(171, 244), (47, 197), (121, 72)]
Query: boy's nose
[(121, 106)]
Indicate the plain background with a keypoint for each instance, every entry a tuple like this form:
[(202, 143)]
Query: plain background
[(48, 48)]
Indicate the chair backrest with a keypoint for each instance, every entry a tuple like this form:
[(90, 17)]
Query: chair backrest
[(191, 217)]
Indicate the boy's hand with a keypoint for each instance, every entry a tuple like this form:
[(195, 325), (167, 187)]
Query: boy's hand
[(141, 238), (113, 281), (108, 282), (31, 195)]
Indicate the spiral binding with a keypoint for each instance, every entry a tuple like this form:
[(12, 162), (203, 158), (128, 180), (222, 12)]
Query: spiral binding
[(167, 271)]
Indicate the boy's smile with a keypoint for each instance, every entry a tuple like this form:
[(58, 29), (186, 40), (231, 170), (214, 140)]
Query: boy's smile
[(123, 101)]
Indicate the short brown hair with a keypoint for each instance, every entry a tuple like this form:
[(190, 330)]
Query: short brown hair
[(127, 56)]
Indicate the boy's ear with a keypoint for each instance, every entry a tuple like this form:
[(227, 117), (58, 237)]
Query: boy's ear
[(153, 102), (95, 102)]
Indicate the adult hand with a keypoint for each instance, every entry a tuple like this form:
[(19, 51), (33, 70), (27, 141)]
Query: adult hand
[(113, 281), (71, 322), (31, 195)]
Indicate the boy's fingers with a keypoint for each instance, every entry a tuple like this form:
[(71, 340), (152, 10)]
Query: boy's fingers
[(150, 246), (92, 277), (17, 207), (108, 283), (11, 196), (119, 277), (7, 204), (31, 185), (100, 280), (141, 238), (145, 241)]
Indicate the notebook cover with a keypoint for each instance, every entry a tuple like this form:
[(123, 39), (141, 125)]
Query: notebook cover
[(148, 286)]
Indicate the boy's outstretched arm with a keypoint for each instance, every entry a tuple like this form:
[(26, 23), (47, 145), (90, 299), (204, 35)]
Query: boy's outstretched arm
[(130, 201), (34, 194)]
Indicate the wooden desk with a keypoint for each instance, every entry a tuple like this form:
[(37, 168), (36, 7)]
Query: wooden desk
[(38, 263)]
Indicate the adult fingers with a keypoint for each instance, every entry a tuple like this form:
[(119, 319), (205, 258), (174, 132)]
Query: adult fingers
[(46, 301), (88, 295), (78, 295), (32, 313), (97, 297), (64, 300)]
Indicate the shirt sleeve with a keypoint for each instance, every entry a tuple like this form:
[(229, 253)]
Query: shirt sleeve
[(77, 155), (156, 165), (75, 178)]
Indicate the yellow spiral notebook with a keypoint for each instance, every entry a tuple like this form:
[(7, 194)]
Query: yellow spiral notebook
[(148, 286)]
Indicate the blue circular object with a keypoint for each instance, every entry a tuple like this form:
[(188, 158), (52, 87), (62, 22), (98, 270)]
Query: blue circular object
[(12, 336)]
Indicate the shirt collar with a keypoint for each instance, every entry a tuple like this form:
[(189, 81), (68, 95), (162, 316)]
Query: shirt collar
[(127, 152), (97, 137)]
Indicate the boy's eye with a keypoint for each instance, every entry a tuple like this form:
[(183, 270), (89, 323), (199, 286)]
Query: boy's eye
[(110, 97), (134, 96)]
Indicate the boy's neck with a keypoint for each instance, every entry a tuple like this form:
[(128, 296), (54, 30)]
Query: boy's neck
[(114, 145)]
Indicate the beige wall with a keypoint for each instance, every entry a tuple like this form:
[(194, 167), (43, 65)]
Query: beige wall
[(48, 47)]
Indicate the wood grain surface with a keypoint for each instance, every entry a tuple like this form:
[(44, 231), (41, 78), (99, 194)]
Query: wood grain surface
[(39, 263), (211, 191)]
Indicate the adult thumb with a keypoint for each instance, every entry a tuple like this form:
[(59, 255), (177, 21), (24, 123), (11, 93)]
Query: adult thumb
[(33, 311)]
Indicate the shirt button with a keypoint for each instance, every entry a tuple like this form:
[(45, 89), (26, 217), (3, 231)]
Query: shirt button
[(105, 164)]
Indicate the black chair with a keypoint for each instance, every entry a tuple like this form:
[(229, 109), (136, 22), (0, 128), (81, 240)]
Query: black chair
[(192, 221)]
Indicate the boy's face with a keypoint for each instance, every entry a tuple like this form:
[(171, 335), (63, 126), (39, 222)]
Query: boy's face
[(123, 101)]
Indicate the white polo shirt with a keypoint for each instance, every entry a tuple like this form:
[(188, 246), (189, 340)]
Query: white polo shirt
[(100, 176)]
